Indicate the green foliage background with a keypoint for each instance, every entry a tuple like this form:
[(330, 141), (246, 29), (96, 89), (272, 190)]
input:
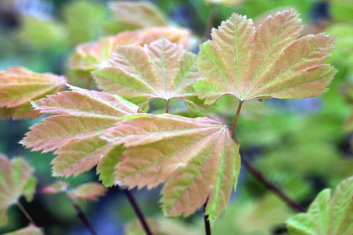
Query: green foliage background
[(298, 144)]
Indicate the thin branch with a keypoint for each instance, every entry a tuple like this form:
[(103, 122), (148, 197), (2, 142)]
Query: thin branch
[(236, 117), (210, 22), (138, 212), (166, 106), (206, 221), (23, 210), (260, 177), (81, 215)]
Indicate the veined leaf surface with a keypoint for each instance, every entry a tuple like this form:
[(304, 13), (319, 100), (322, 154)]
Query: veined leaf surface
[(18, 86), (160, 69), (138, 14), (95, 55), (268, 60), (328, 214), (16, 180), (81, 116), (195, 158)]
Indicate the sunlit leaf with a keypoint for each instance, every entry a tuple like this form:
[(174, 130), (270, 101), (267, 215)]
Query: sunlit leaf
[(16, 177), (268, 60), (225, 2), (88, 191), (195, 158), (158, 70), (19, 86), (81, 117), (330, 213), (29, 230), (137, 14)]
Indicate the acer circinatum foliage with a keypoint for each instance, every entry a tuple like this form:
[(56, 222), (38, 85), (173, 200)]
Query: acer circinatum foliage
[(16, 180), (18, 86), (88, 191), (330, 213), (263, 61), (81, 117), (195, 158), (95, 55), (160, 69), (29, 230)]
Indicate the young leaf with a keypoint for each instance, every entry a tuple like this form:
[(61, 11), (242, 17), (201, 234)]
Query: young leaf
[(18, 86), (137, 14), (81, 117), (196, 158), (225, 2), (16, 177), (268, 60), (29, 230), (89, 191), (158, 70), (328, 214), (57, 187), (91, 56)]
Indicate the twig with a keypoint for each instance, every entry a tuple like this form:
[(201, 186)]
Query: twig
[(26, 214), (167, 106), (260, 177), (210, 22), (81, 215), (206, 221), (138, 212)]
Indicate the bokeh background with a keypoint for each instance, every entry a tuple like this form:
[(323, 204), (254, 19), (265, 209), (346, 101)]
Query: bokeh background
[(300, 145)]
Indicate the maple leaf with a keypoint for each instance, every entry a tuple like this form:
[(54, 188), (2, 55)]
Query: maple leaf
[(29, 230), (225, 2), (160, 69), (95, 55), (196, 158), (138, 14), (16, 180), (265, 61), (81, 116), (328, 214), (18, 86), (57, 187), (88, 191)]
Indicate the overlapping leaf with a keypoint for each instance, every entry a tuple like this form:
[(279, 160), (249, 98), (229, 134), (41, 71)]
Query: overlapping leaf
[(18, 86), (195, 158), (29, 230), (137, 14), (81, 116), (91, 56), (16, 180), (268, 60), (328, 214), (160, 69)]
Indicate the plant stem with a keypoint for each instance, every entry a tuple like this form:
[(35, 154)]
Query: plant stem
[(210, 22), (206, 221), (240, 105), (166, 106), (138, 212), (88, 84), (81, 215), (23, 210), (260, 177)]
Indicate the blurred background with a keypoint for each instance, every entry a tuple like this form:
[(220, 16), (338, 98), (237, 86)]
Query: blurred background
[(300, 145)]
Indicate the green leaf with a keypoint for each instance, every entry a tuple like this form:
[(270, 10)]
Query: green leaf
[(16, 180), (328, 214)]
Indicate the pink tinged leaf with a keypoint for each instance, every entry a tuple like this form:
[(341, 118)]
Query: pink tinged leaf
[(158, 70), (88, 191), (16, 180), (57, 187), (196, 158), (266, 61)]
